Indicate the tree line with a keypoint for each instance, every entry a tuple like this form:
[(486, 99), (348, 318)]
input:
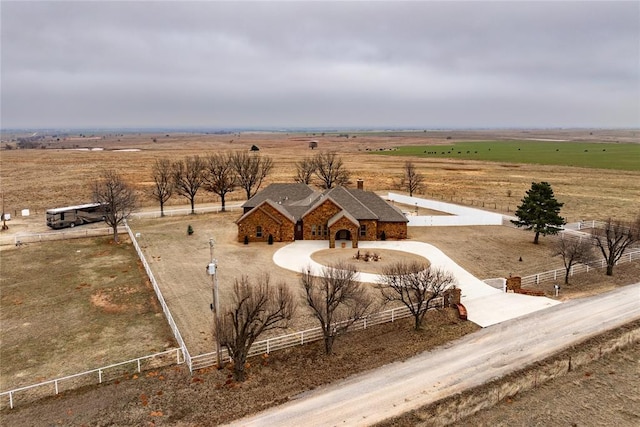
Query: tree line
[(333, 296)]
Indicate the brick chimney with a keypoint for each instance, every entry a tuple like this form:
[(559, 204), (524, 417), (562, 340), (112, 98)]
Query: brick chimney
[(360, 184)]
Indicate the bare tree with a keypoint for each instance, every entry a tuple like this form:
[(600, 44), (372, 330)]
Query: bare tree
[(336, 300), (117, 197), (304, 170), (188, 177), (219, 177), (330, 170), (257, 308), (162, 182), (412, 180), (251, 170), (614, 238), (415, 285), (573, 250)]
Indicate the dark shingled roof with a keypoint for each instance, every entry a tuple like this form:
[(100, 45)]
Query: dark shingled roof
[(281, 193), (298, 199), (385, 211)]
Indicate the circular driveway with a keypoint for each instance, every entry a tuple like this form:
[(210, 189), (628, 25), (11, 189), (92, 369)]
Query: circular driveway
[(485, 305)]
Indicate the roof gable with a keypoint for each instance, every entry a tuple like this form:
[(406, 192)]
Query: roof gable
[(275, 206), (340, 215)]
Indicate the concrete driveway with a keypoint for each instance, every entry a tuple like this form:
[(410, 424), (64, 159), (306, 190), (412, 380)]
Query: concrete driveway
[(485, 305)]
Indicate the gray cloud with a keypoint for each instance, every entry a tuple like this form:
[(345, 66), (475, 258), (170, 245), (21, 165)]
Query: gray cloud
[(379, 64)]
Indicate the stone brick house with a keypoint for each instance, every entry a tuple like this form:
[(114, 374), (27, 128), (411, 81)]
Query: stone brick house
[(289, 212)]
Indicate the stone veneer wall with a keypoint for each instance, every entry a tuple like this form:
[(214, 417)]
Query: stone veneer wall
[(393, 230), (372, 229), (264, 216), (319, 216)]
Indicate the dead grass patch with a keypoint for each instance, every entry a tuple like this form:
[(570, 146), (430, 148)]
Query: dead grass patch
[(63, 312), (369, 260)]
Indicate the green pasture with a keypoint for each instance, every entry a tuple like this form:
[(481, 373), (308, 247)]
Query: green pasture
[(580, 154)]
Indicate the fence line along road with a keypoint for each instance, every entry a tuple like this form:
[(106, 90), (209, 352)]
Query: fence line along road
[(47, 236), (309, 335), (186, 211), (554, 275), (94, 376)]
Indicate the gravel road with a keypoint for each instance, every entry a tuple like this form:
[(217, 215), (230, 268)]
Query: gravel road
[(492, 352)]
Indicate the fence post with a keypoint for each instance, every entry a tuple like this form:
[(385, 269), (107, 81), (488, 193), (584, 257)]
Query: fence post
[(11, 399), (555, 275), (302, 338), (138, 365), (392, 312), (56, 384), (537, 279), (99, 376), (365, 323), (268, 346)]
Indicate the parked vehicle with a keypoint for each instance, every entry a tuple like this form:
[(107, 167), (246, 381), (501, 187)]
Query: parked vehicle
[(70, 216)]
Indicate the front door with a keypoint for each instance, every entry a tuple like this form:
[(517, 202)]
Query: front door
[(343, 235), (298, 233)]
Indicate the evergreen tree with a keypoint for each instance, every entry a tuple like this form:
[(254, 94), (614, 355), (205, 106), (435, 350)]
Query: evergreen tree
[(540, 211)]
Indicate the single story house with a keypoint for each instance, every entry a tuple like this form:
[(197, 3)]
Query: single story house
[(289, 212)]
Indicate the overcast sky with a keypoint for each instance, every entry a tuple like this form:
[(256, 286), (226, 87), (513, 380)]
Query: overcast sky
[(318, 64)]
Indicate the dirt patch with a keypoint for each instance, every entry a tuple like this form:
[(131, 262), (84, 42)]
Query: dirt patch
[(366, 261)]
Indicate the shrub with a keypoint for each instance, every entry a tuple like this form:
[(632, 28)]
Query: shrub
[(189, 230), (246, 240), (383, 236), (271, 239)]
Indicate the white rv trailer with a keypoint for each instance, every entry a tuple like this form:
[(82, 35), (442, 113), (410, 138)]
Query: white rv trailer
[(70, 216)]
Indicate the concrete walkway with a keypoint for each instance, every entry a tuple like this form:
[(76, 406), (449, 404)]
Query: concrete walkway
[(485, 305)]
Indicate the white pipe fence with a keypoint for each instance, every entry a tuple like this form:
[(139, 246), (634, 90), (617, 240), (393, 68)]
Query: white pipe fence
[(186, 211), (309, 335), (554, 275), (94, 376), (156, 288), (72, 233)]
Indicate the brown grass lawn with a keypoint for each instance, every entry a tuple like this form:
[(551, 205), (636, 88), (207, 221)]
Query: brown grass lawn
[(69, 306)]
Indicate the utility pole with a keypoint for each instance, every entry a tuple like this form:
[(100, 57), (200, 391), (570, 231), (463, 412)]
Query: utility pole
[(4, 218), (212, 269)]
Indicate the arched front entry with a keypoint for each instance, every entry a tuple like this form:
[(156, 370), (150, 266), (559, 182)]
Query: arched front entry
[(342, 235)]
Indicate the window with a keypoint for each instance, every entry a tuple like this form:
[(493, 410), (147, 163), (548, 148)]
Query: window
[(319, 230), (313, 230), (326, 230), (363, 230), (259, 231)]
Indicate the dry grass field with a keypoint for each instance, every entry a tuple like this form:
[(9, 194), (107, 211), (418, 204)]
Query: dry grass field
[(44, 178), (73, 305)]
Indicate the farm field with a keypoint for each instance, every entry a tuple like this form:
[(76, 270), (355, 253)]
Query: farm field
[(38, 179), (73, 305), (61, 175), (591, 155)]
